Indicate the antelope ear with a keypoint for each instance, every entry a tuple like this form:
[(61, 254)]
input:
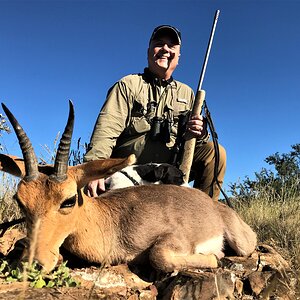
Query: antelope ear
[(97, 169), (12, 164)]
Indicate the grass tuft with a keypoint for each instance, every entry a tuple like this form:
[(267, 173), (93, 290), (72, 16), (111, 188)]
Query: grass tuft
[(277, 224)]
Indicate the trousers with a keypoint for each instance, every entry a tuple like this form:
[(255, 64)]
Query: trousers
[(202, 170)]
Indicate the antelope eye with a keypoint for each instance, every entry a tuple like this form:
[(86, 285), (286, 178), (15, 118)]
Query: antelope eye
[(69, 202)]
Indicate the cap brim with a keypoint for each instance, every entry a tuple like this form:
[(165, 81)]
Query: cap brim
[(166, 31)]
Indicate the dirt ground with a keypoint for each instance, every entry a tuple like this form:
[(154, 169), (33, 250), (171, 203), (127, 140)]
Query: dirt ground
[(114, 283), (118, 282), (15, 291)]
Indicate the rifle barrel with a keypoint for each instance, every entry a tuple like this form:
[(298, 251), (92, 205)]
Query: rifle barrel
[(208, 49)]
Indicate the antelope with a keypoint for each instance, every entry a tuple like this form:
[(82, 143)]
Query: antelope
[(175, 227)]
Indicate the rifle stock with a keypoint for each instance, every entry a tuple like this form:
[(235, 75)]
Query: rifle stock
[(189, 145)]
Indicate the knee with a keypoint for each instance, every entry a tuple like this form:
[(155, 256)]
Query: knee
[(206, 152)]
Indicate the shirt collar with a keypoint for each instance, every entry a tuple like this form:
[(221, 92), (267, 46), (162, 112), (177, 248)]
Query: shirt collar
[(152, 78)]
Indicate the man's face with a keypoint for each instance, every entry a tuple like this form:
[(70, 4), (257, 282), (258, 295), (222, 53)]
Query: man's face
[(163, 56)]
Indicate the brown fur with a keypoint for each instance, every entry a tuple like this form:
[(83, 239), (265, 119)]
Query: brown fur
[(177, 227)]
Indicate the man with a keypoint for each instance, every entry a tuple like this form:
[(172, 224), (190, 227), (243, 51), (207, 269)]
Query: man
[(141, 115)]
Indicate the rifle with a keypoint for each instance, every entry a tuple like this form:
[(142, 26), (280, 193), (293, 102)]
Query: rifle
[(189, 145)]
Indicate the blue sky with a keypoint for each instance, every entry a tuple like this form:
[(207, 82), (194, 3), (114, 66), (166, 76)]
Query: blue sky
[(52, 51)]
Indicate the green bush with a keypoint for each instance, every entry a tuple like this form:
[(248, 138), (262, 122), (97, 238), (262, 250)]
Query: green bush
[(59, 277)]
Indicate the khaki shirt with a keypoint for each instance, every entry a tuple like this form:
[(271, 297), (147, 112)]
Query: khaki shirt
[(124, 123)]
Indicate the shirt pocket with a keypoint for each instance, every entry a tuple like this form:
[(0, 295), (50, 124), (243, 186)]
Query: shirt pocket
[(181, 105), (139, 125), (138, 121)]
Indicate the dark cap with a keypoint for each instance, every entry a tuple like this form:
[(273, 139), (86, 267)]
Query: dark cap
[(168, 30)]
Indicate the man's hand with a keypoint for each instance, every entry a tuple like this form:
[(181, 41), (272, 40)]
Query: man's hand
[(196, 127), (95, 187)]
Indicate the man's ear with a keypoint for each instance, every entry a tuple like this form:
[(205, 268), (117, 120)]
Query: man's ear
[(178, 58)]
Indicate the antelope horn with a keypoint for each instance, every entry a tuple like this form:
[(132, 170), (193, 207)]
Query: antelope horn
[(30, 160), (62, 155)]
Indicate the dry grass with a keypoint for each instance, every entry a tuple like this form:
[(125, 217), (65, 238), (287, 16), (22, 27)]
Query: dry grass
[(276, 223), (9, 210)]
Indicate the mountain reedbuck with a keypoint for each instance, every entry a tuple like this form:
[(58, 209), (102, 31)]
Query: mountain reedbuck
[(174, 227)]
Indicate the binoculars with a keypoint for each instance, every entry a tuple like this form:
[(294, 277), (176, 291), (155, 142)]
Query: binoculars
[(160, 129)]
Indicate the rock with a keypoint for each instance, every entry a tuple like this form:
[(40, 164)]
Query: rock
[(195, 285), (239, 286), (258, 276), (115, 280), (9, 239), (263, 275), (112, 276)]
